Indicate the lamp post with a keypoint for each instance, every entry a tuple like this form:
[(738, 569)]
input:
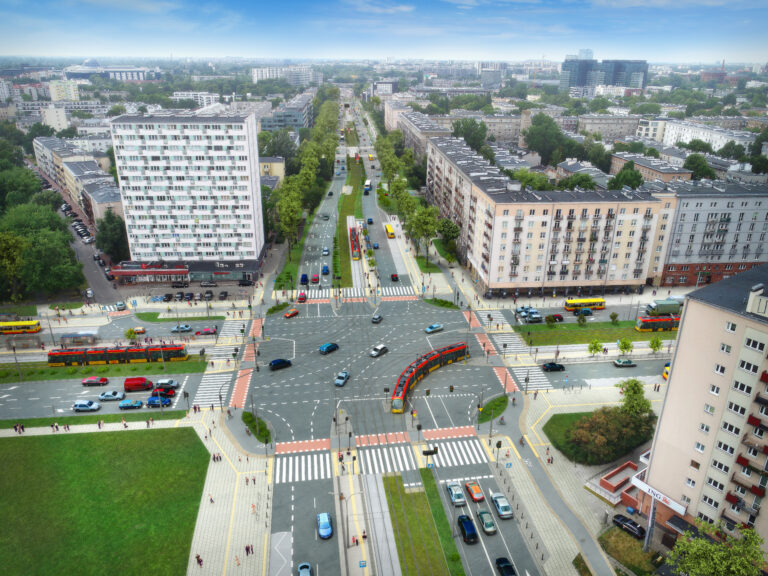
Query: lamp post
[(48, 318)]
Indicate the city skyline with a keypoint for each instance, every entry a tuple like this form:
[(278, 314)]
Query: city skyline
[(694, 31)]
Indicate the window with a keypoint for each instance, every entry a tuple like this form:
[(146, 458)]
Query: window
[(695, 464), (690, 482), (699, 447), (714, 389), (754, 344), (736, 409), (705, 518), (709, 409), (730, 327), (710, 501), (704, 428), (731, 428), (725, 348), (719, 369), (748, 367), (720, 466), (719, 486), (725, 448), (746, 471), (741, 387)]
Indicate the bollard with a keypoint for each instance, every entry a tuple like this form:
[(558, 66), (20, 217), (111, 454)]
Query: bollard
[(526, 525), (537, 545), (542, 556), (531, 535)]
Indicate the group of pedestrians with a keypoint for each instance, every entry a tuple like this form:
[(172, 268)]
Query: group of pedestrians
[(19, 428)]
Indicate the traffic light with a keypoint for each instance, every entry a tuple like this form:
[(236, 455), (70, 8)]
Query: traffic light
[(450, 388), (427, 391)]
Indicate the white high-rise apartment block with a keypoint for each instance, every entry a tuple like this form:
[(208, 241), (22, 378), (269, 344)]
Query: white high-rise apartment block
[(63, 91), (190, 186), (200, 98)]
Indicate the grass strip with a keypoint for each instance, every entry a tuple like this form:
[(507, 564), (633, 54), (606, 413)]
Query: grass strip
[(278, 307), (572, 333), (66, 305), (155, 317), (439, 245), (258, 427), (19, 309), (581, 566), (129, 415), (291, 266), (628, 551), (445, 534), (440, 303), (494, 408), (427, 267), (86, 503), (34, 371)]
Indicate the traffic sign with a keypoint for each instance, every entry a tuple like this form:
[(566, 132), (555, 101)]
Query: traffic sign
[(363, 563)]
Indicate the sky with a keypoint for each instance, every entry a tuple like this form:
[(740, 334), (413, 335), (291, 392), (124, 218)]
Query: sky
[(692, 31)]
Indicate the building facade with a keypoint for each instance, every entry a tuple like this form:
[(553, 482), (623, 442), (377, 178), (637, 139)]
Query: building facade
[(710, 452), (56, 118), (295, 114), (190, 187), (650, 168), (651, 128), (294, 75), (63, 90), (200, 98), (608, 126), (417, 128), (273, 166), (682, 131)]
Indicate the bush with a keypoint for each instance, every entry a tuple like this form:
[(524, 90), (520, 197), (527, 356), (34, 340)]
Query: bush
[(72, 370)]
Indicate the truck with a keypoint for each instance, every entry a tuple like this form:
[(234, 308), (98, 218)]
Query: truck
[(662, 307)]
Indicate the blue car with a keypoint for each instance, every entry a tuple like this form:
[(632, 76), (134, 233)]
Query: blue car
[(326, 271), (154, 401), (433, 328), (130, 404), (328, 347), (324, 525)]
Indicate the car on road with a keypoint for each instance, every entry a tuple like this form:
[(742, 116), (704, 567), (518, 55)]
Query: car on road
[(624, 363), (89, 240), (85, 406), (629, 526), (279, 364), (433, 328), (534, 318), (206, 332), (338, 172), (378, 350), (467, 529), (552, 367), (485, 518), (140, 330), (95, 381), (326, 252), (156, 401), (130, 404), (223, 295), (455, 494), (375, 245), (341, 378), (167, 297), (315, 278), (120, 306), (167, 383), (474, 491), (302, 297), (328, 347), (179, 284), (504, 567), (304, 569), (370, 220), (89, 293), (304, 281), (330, 193), (326, 270), (245, 282), (208, 284), (377, 318), (324, 525), (555, 317), (395, 278), (291, 313), (111, 395), (181, 328), (503, 509), (164, 391), (582, 312)]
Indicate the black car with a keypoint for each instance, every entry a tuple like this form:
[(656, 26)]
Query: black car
[(223, 295), (189, 296), (467, 528), (279, 364), (180, 284), (504, 566), (245, 283), (553, 367), (395, 278), (208, 295), (208, 284), (629, 526)]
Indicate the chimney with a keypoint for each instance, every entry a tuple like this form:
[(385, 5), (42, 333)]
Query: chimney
[(757, 303)]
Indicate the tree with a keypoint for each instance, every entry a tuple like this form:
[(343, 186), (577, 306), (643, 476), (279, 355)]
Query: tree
[(116, 110), (69, 132), (732, 150), (595, 347), (698, 164), (448, 229), (652, 152), (655, 344), (544, 136), (11, 156), (627, 176), (755, 149), (633, 400), (473, 132), (49, 198), (17, 185), (600, 103), (130, 334), (534, 180), (696, 145), (26, 219), (720, 554), (49, 264), (646, 108), (583, 181), (422, 225), (614, 318), (112, 238), (625, 346), (581, 320), (759, 164), (12, 248), (550, 320)]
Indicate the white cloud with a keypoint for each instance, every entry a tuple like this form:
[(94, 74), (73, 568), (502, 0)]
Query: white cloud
[(145, 6), (379, 7), (660, 3)]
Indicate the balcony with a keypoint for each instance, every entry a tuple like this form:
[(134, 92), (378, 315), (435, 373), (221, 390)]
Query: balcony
[(558, 217), (610, 216), (517, 229), (557, 226), (725, 219), (519, 217), (571, 217), (764, 377), (647, 216)]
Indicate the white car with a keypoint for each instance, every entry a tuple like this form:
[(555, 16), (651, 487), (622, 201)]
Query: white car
[(89, 293), (166, 383), (85, 406), (111, 395), (378, 351)]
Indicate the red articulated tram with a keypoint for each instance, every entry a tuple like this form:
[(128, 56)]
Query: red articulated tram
[(354, 244), (118, 355), (422, 366)]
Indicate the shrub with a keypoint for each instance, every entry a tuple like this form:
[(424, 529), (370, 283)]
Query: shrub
[(72, 370), (607, 434)]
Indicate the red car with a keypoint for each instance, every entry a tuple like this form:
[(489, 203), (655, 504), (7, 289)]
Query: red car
[(205, 332), (302, 297), (474, 491), (95, 381), (291, 313), (315, 278), (164, 391)]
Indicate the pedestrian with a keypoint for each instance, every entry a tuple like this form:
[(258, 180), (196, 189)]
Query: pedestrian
[(199, 560), (151, 421), (357, 541), (535, 394), (147, 423), (365, 536), (16, 428), (213, 457), (547, 450), (22, 428), (206, 436), (247, 550), (253, 508), (237, 560), (210, 498), (56, 425), (246, 480), (253, 480)]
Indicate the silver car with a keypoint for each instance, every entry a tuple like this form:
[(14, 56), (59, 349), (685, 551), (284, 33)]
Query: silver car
[(85, 406)]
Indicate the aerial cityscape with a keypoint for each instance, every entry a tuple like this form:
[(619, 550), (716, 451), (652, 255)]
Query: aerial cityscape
[(462, 287)]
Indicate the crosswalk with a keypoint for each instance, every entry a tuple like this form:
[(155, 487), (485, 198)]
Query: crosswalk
[(386, 458), (229, 338), (328, 293), (494, 320), (210, 386), (537, 380), (303, 467), (459, 452), (515, 344)]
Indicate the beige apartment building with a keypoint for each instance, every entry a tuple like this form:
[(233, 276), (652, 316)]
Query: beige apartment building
[(272, 166), (417, 128), (710, 452), (552, 242), (650, 168)]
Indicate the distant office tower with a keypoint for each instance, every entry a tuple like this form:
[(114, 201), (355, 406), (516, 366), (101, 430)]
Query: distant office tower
[(586, 54), (576, 71), (190, 187)]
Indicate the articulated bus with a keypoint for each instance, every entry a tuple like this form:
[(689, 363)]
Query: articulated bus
[(423, 366), (657, 323), (354, 244), (20, 327), (578, 303), (367, 186), (390, 231), (118, 355)]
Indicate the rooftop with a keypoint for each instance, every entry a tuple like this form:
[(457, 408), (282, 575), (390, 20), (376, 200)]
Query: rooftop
[(652, 163), (731, 293), (84, 167), (705, 188), (271, 159), (176, 115), (423, 122), (103, 192)]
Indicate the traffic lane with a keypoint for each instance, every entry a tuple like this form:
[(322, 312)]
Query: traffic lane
[(115, 330), (55, 397), (313, 498), (605, 374)]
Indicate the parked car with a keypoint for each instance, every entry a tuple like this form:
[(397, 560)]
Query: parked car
[(629, 526), (504, 567), (167, 297), (179, 284), (467, 529), (167, 383), (189, 296), (111, 395), (223, 295), (157, 401), (341, 378), (485, 518), (179, 296), (376, 318), (328, 347), (181, 328), (95, 381), (120, 306), (208, 284), (455, 494), (208, 296), (85, 406), (553, 367), (378, 350), (245, 283), (279, 364), (503, 509), (324, 525), (555, 317), (624, 363), (474, 491), (130, 404), (433, 328), (291, 313)]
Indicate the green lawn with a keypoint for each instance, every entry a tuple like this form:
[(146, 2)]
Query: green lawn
[(66, 305), (258, 427), (20, 309), (291, 266), (572, 333), (278, 307), (628, 551), (350, 135), (439, 302), (155, 317), (497, 406), (441, 249), (557, 426), (427, 267), (130, 416), (100, 503), (419, 549), (31, 371), (348, 205), (444, 532), (581, 566)]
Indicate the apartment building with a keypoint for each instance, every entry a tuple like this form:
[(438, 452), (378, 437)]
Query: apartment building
[(274, 167), (718, 229), (56, 118), (504, 128), (295, 114), (608, 126), (98, 198), (294, 75), (52, 152), (651, 128), (417, 128), (65, 90), (682, 131), (709, 457), (190, 187), (572, 166), (91, 67), (549, 242), (650, 168), (200, 98), (77, 174)]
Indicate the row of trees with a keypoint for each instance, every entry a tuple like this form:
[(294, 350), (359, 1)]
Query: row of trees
[(545, 137)]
